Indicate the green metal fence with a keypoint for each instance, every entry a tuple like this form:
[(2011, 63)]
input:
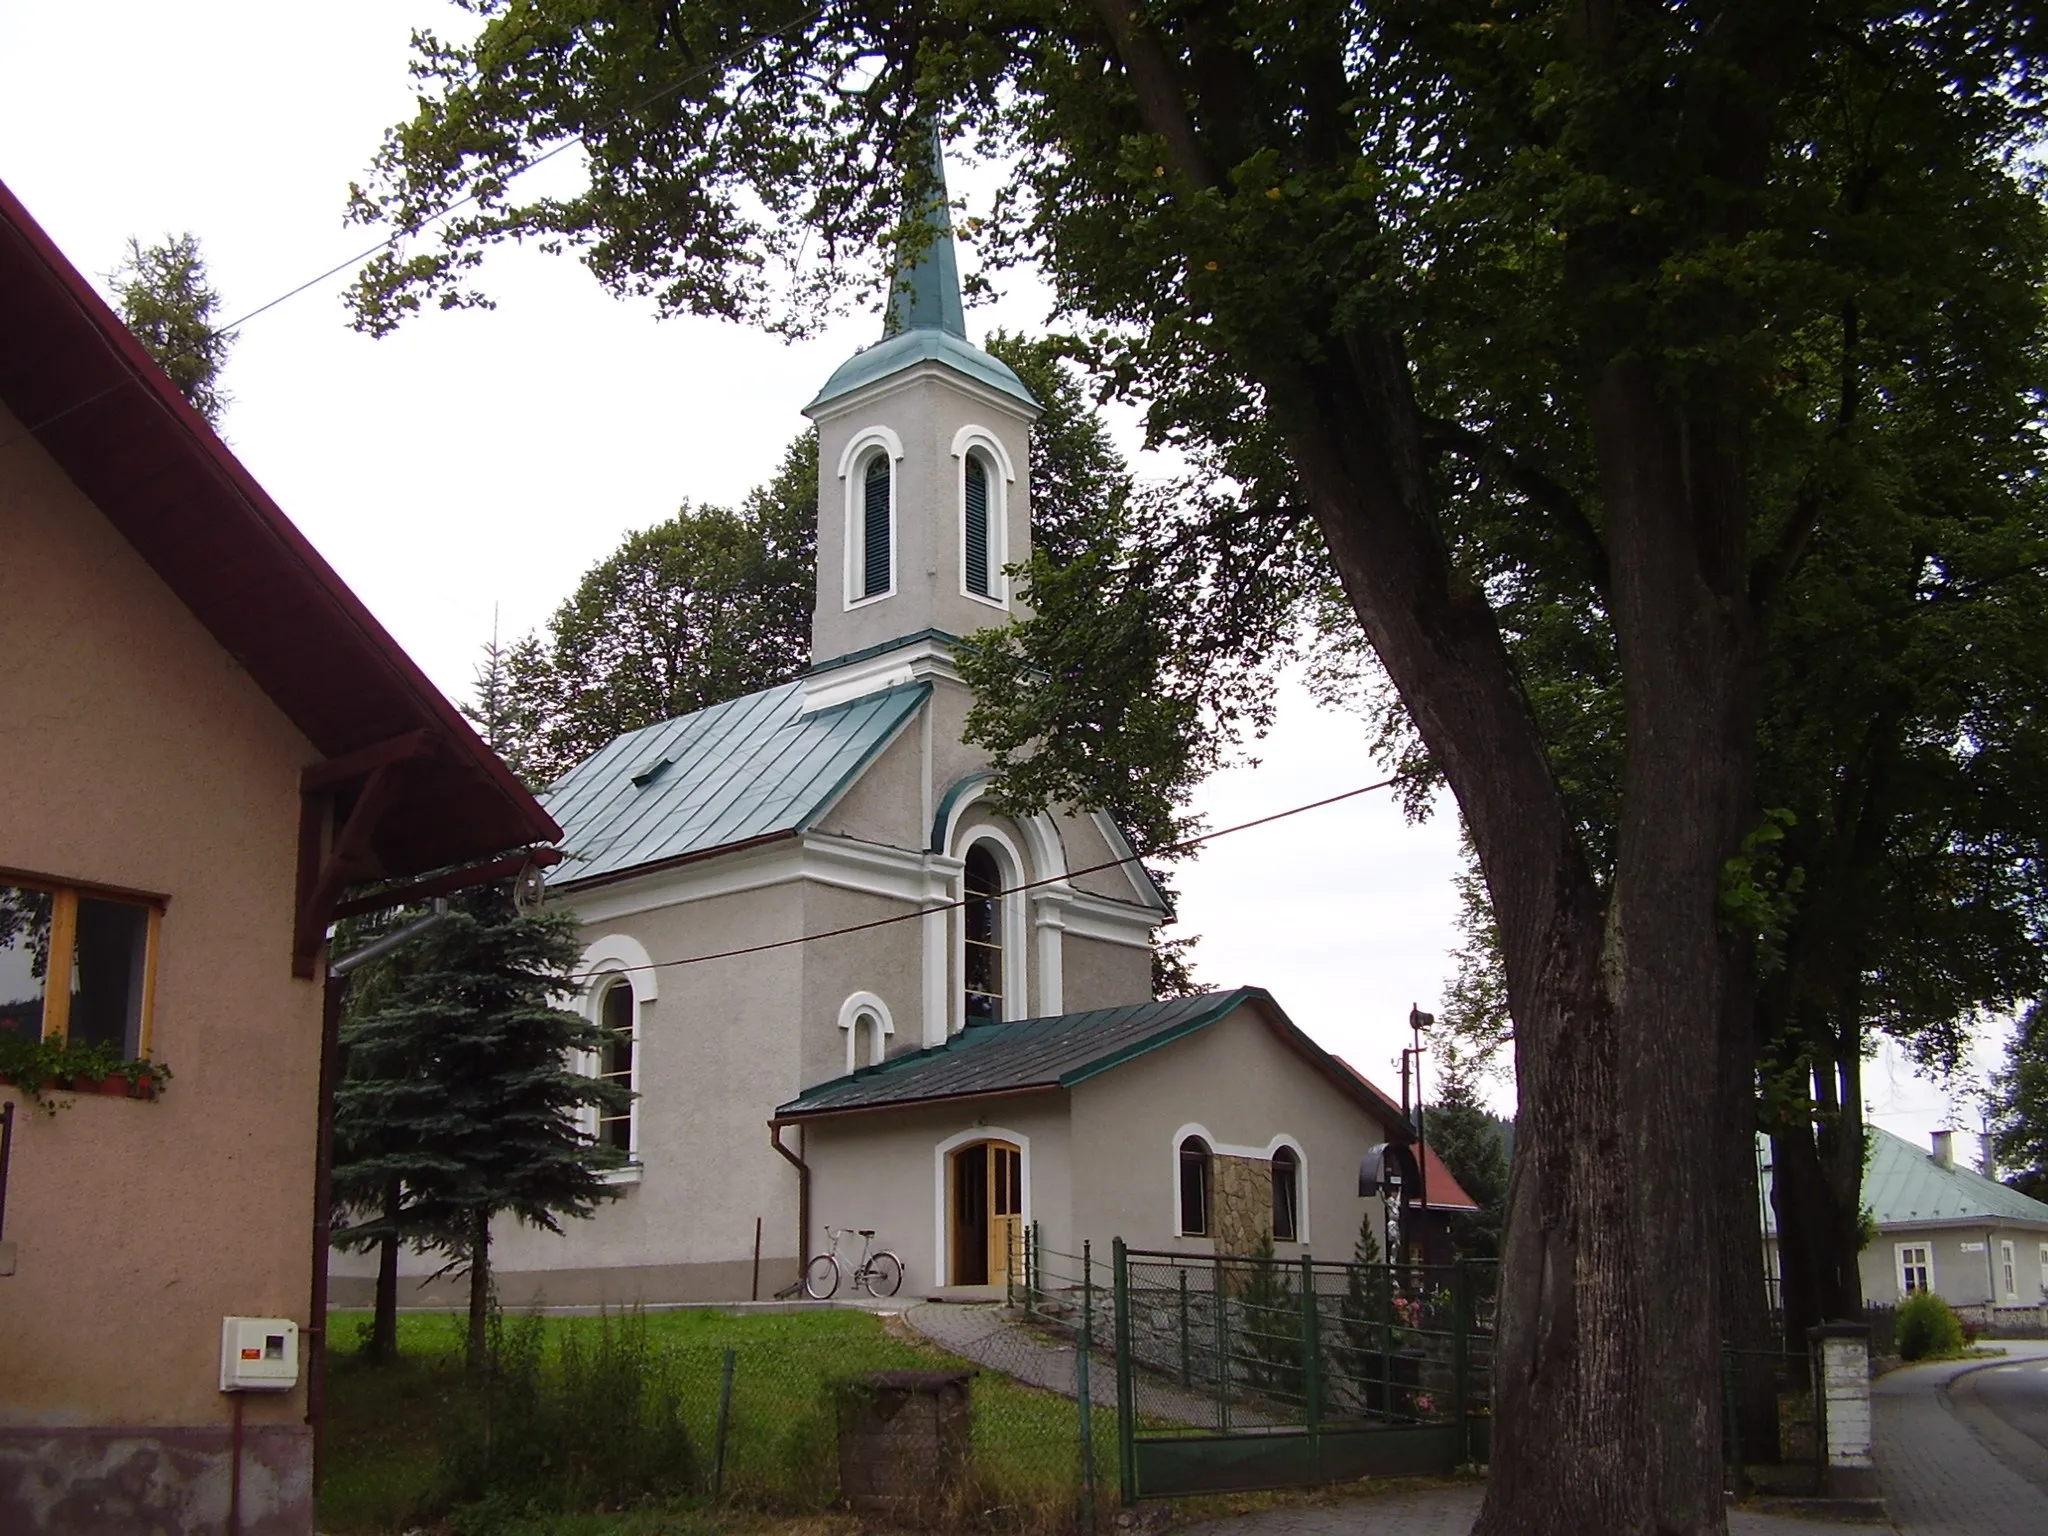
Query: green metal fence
[(1241, 1372)]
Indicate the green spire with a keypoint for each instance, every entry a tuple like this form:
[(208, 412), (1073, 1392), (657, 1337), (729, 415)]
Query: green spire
[(927, 296)]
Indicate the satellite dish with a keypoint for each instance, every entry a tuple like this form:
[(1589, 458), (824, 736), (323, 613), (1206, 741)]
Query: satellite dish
[(531, 889)]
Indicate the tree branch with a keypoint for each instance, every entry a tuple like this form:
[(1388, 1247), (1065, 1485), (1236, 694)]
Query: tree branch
[(1538, 489), (1160, 101)]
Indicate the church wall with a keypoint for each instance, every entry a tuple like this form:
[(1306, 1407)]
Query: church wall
[(1099, 974), (886, 804), (887, 1171), (1243, 1086), (886, 961)]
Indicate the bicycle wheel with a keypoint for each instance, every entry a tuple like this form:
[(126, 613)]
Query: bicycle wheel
[(821, 1279), (884, 1274)]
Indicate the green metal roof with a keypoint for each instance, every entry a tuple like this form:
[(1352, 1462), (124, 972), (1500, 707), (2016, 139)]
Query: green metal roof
[(1058, 1051), (926, 321), (734, 773), (1905, 1187)]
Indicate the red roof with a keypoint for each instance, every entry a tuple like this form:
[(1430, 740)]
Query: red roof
[(113, 420), (1445, 1193)]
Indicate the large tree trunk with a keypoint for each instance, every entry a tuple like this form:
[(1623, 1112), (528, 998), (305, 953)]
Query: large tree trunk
[(384, 1316), (1606, 1397), (478, 1347)]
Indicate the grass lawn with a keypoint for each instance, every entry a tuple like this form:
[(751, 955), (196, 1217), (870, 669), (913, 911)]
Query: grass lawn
[(388, 1429)]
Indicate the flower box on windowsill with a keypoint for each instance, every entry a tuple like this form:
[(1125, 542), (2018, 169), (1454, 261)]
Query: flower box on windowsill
[(115, 1087)]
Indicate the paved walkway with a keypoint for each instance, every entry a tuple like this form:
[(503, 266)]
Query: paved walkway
[(1436, 1512), (1940, 1468)]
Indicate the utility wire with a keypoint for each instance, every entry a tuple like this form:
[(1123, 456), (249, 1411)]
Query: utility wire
[(905, 917), (688, 76)]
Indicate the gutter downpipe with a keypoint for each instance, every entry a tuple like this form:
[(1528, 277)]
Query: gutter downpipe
[(333, 1004), (803, 1193)]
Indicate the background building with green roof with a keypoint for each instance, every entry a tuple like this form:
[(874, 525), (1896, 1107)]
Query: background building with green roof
[(1944, 1228)]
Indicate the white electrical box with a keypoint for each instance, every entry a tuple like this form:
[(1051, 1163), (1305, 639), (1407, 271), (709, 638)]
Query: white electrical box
[(259, 1354)]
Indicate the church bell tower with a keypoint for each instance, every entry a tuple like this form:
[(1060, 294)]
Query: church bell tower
[(923, 484)]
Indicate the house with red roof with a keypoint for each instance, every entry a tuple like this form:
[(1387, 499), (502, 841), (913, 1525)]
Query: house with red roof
[(211, 749)]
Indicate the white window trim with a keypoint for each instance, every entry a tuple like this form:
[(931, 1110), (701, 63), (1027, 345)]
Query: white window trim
[(2044, 1271), (973, 439), (939, 1153), (1231, 1149), (608, 962), (1899, 1264), (862, 446), (866, 1008), (2009, 1268), (1011, 872)]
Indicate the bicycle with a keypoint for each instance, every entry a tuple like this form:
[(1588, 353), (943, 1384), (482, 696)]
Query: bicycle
[(878, 1273)]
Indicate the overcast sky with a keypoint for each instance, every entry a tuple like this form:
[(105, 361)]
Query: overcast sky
[(475, 464)]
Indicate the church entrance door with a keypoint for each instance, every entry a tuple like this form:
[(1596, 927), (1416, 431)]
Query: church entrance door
[(987, 1240)]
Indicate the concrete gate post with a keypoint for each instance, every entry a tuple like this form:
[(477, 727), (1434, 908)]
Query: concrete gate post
[(1841, 1381)]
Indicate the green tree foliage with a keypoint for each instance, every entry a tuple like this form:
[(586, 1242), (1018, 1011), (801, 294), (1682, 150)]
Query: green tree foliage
[(164, 294), (1549, 345), (2019, 1107), (1473, 1143), (1271, 1329), (1365, 1322), (1927, 1326), (460, 1101)]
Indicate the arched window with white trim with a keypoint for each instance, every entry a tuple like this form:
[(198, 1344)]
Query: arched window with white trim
[(1286, 1167), (982, 925), (877, 530), (867, 1024)]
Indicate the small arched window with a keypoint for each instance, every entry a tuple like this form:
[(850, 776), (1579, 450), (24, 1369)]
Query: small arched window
[(982, 916), (977, 541), (1286, 1195), (1194, 1187), (615, 1065), (874, 527)]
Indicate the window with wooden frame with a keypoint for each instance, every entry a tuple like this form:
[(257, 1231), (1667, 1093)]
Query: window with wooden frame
[(2009, 1270), (615, 1065), (982, 921), (1286, 1195), (78, 964)]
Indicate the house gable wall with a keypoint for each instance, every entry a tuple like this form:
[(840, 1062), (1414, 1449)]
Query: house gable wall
[(1244, 1088), (137, 754)]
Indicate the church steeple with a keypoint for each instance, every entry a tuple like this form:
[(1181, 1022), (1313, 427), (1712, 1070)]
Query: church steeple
[(923, 499), (927, 297)]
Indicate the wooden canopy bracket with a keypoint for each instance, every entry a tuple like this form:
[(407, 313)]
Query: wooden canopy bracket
[(327, 869)]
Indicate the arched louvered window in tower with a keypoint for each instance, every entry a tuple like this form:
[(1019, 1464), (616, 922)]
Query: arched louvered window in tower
[(975, 533), (874, 527)]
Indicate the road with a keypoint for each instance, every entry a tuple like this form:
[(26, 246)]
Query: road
[(2007, 1407)]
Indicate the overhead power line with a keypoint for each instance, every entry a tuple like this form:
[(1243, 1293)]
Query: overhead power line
[(905, 917)]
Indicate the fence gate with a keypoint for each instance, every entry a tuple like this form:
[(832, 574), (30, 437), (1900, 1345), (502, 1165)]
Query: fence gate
[(1236, 1372)]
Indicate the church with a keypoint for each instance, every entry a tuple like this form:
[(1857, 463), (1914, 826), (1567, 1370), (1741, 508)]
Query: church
[(847, 991)]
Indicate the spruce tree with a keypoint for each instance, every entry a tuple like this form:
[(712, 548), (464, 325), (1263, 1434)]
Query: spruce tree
[(462, 1099)]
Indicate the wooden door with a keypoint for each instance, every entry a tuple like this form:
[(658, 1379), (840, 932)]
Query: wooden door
[(1005, 1213)]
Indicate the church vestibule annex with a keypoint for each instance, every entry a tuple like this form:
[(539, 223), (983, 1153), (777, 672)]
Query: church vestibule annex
[(963, 1041)]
